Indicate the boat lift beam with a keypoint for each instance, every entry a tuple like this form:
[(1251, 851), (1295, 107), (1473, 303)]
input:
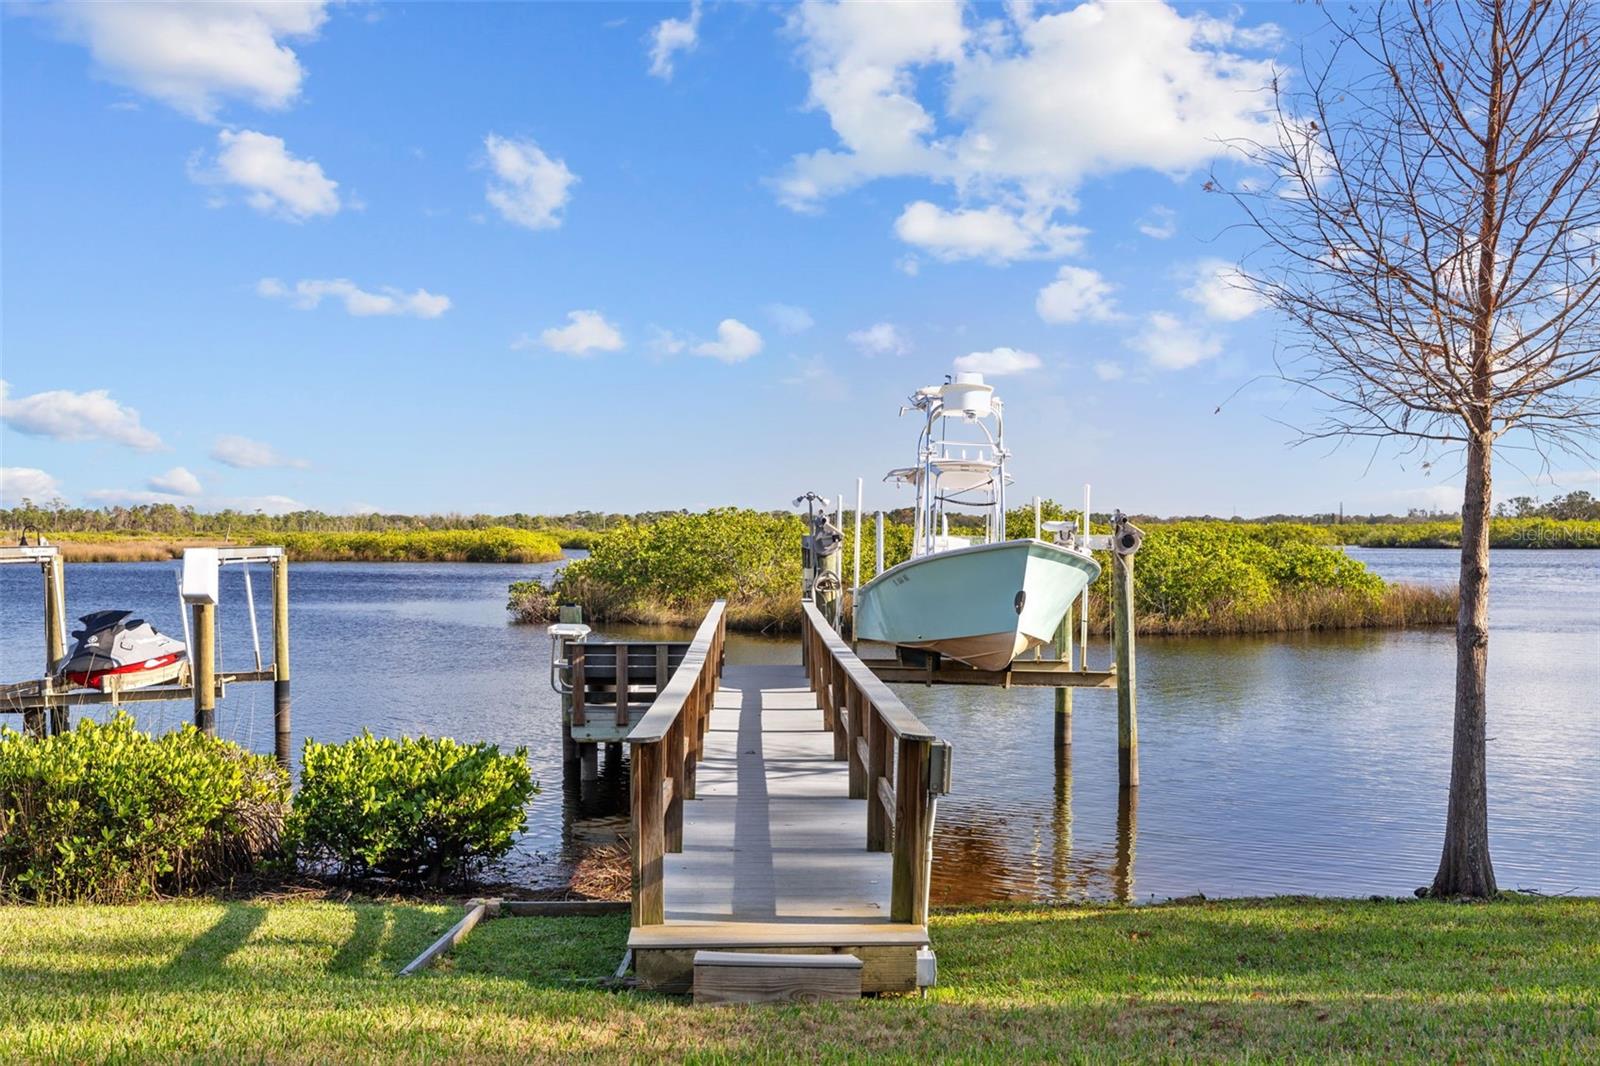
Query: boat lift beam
[(37, 698), (1063, 673)]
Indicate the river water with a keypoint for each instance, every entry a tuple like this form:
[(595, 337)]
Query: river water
[(1311, 763)]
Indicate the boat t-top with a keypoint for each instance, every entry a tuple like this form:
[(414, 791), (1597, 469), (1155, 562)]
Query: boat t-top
[(982, 600)]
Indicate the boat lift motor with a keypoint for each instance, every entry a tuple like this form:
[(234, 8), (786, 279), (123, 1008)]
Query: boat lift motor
[(820, 549), (1126, 537)]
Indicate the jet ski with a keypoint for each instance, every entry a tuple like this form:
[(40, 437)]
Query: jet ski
[(114, 651)]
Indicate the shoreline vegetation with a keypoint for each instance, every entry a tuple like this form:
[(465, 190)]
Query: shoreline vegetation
[(1270, 979), (1193, 577), (490, 545)]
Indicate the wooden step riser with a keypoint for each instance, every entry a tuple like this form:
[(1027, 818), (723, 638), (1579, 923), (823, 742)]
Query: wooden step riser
[(883, 969)]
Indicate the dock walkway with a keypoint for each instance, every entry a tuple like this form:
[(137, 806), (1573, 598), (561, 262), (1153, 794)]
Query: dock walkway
[(780, 810)]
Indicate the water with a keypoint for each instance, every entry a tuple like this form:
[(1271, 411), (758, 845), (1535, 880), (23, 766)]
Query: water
[(1311, 764)]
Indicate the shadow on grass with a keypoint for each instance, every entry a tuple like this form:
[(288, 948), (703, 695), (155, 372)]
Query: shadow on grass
[(211, 949), (246, 942)]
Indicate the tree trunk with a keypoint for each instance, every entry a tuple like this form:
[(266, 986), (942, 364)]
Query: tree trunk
[(1465, 869)]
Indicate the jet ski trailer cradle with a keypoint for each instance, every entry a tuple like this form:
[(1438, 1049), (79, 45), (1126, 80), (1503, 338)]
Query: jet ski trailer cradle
[(157, 666)]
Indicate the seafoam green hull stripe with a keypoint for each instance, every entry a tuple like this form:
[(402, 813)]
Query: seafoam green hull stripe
[(972, 592)]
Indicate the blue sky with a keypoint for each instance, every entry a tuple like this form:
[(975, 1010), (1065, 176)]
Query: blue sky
[(546, 257)]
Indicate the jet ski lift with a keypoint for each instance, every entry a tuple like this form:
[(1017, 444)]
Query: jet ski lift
[(119, 658)]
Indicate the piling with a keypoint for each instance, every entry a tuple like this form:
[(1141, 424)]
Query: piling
[(55, 638), (1063, 650), (1125, 541), (203, 665), (280, 659)]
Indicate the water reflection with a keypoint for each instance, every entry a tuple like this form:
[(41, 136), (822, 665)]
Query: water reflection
[(1316, 763)]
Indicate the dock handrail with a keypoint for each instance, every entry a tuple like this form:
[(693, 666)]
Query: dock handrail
[(665, 747), (896, 763)]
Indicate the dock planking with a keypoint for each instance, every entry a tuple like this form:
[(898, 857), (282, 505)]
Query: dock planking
[(764, 849), (773, 834)]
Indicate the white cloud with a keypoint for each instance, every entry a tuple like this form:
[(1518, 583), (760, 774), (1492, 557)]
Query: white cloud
[(1076, 294), (529, 188), (671, 36), (1020, 111), (882, 338), (735, 342), (74, 416), (997, 362), (1106, 370), (991, 233), (18, 483), (790, 319), (242, 453), (585, 332), (861, 59), (308, 293), (274, 182), (178, 481), (1172, 344), (194, 56), (1222, 291), (1159, 223), (264, 504)]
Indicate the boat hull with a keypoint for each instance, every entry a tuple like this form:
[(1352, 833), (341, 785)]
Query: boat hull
[(983, 605)]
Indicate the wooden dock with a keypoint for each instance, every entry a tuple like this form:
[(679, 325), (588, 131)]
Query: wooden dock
[(754, 826)]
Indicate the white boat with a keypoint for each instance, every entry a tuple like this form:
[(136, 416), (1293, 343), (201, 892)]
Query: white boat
[(982, 600)]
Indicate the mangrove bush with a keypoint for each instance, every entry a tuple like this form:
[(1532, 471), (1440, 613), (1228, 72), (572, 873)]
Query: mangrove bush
[(108, 814), (420, 809)]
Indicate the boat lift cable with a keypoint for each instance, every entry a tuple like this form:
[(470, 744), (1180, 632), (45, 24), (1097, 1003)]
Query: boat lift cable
[(250, 602)]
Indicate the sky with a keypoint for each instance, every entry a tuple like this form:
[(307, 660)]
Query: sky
[(620, 257)]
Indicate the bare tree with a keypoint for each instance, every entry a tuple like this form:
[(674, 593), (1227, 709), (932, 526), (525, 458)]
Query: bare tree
[(1431, 224)]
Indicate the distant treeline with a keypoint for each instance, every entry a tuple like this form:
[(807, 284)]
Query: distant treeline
[(496, 544), (170, 520), (1570, 521)]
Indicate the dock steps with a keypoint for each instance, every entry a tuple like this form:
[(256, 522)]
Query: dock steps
[(760, 977)]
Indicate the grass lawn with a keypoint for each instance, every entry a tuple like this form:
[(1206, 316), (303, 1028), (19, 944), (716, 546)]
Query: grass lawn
[(1261, 979)]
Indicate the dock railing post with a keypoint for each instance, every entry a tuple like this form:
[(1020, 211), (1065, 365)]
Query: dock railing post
[(908, 892), (672, 815), (203, 666), (840, 695), (1125, 541), (649, 897), (878, 769), (280, 659), (855, 758)]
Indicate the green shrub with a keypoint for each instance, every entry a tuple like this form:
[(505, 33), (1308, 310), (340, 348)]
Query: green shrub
[(106, 814), (687, 560), (418, 809)]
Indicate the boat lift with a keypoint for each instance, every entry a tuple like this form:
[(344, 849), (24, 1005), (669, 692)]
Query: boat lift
[(47, 698), (1065, 671)]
